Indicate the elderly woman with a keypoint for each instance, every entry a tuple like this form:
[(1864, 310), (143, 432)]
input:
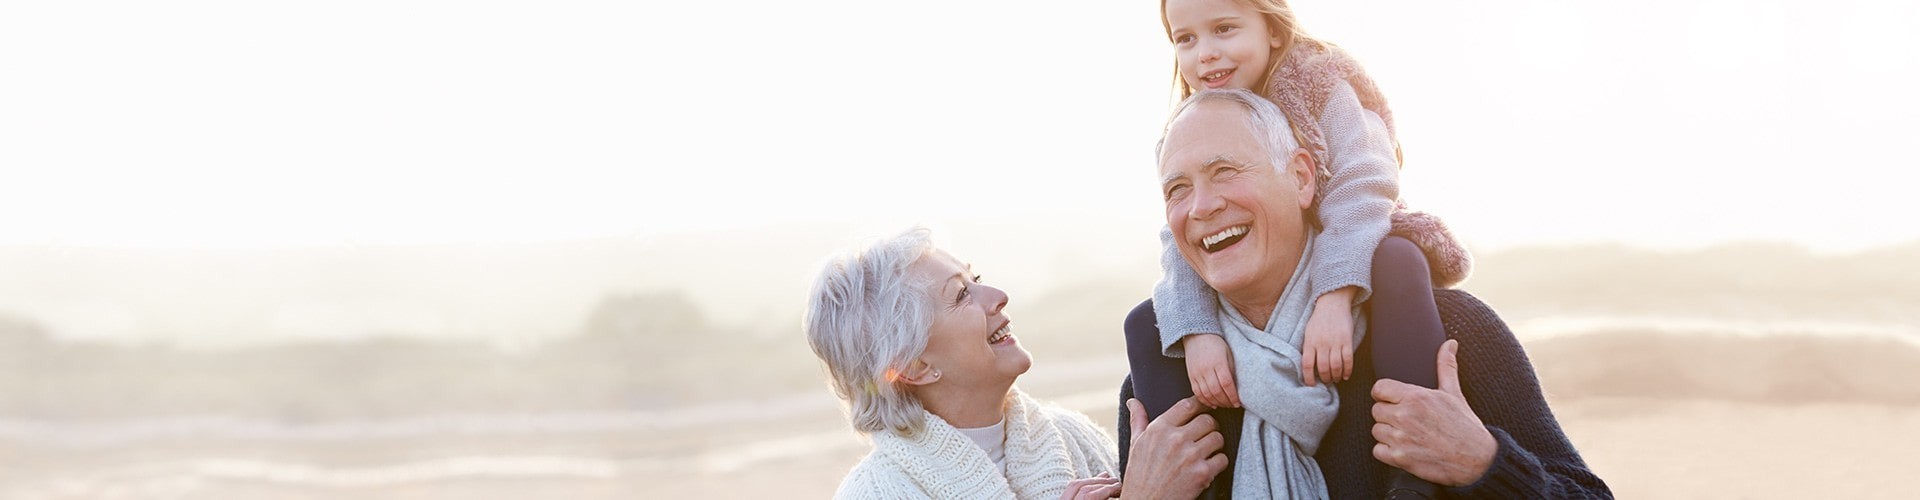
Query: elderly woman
[(924, 356)]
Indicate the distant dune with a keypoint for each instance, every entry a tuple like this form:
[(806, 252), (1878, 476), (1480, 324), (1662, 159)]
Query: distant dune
[(1781, 369)]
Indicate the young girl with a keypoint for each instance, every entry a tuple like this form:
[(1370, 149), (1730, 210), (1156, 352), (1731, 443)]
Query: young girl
[(1340, 117)]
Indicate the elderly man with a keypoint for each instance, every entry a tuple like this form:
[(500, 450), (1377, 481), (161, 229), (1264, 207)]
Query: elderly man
[(1227, 161)]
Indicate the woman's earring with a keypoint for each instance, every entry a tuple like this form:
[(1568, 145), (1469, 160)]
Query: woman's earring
[(935, 375)]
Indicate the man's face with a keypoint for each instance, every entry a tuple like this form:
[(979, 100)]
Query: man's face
[(1236, 219)]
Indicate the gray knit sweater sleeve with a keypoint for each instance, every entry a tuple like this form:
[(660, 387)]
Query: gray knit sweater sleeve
[(1182, 304), (1358, 202)]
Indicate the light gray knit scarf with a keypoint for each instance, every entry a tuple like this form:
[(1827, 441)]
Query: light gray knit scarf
[(1285, 418)]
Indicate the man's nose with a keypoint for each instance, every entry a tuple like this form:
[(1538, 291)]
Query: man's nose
[(1205, 203)]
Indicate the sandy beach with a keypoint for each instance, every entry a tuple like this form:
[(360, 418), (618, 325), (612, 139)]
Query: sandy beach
[(797, 445)]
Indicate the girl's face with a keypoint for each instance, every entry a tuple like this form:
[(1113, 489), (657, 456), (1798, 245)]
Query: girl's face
[(1220, 43)]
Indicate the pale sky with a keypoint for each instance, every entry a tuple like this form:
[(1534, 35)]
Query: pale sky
[(235, 124)]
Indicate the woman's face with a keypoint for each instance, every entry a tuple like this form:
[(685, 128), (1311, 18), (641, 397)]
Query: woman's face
[(971, 340), (1219, 43)]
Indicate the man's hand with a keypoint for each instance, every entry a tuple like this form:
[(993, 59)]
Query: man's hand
[(1210, 369), (1432, 433), (1327, 354), (1175, 456)]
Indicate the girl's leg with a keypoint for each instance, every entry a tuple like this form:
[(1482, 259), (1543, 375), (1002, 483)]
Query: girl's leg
[(1404, 325), (1402, 319), (1160, 381)]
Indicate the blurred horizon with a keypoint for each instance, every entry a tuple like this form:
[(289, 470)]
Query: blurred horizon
[(512, 297)]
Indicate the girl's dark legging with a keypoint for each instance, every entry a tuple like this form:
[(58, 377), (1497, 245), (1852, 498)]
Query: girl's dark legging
[(1402, 322)]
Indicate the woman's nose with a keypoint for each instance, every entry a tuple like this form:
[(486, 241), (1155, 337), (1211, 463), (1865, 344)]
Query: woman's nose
[(994, 296)]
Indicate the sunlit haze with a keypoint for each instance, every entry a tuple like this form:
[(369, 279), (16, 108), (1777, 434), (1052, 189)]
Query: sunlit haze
[(238, 124), (745, 140)]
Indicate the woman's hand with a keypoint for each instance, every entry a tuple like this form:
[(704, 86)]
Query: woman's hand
[(1327, 353), (1099, 487), (1210, 369)]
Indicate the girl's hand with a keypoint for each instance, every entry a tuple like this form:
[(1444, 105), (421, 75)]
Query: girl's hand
[(1210, 369), (1327, 353), (1099, 487)]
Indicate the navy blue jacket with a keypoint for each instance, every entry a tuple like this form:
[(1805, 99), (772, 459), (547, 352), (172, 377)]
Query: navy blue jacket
[(1534, 460)]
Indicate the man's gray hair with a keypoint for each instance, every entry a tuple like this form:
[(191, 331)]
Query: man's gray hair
[(1266, 121), (867, 321), (1263, 118)]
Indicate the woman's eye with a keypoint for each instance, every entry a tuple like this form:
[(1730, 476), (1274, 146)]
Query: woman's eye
[(976, 278)]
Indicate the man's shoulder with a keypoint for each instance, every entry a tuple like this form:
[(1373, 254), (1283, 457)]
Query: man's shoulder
[(1487, 343), (1467, 317)]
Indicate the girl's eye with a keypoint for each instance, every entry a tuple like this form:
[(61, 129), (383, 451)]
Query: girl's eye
[(1223, 28), (1183, 39)]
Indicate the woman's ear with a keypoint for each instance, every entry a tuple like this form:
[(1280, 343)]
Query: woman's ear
[(1301, 168), (920, 373)]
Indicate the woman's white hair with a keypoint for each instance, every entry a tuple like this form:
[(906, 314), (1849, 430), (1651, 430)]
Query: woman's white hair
[(867, 321)]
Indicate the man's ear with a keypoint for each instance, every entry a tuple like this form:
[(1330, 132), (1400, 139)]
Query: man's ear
[(920, 373), (1301, 167)]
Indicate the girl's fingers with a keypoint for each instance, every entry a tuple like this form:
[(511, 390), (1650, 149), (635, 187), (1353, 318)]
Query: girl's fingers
[(1230, 390), (1346, 358), (1307, 367)]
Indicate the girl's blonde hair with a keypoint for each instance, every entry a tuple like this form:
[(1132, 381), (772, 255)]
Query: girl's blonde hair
[(1279, 18)]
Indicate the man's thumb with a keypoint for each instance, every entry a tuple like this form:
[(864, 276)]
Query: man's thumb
[(1448, 366), (1136, 417)]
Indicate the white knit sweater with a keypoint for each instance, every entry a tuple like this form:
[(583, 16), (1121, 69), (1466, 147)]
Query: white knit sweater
[(1047, 446)]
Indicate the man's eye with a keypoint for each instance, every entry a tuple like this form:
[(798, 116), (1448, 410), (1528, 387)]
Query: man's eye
[(1176, 191)]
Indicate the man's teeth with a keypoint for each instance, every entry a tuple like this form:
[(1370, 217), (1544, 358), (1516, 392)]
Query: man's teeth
[(1001, 334), (1223, 235)]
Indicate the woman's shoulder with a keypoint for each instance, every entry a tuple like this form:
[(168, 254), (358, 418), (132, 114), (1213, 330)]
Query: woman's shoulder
[(876, 477), (1054, 414)]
